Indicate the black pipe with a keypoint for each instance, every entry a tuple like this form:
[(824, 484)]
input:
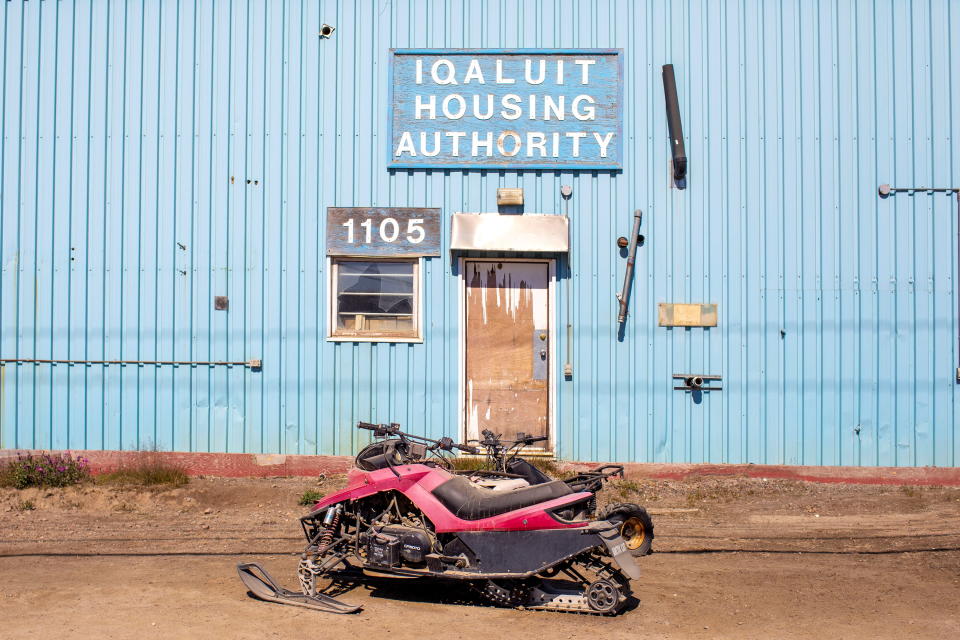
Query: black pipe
[(624, 296), (677, 147)]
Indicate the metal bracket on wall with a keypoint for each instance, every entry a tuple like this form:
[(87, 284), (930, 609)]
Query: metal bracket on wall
[(886, 191), (255, 364), (695, 382)]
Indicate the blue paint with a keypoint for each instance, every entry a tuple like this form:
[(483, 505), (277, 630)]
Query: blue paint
[(506, 109), (122, 123)]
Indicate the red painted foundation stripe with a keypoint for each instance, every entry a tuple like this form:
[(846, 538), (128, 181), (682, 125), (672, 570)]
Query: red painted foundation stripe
[(236, 465)]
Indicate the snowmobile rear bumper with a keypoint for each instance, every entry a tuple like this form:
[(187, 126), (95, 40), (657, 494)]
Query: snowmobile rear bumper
[(261, 585), (617, 547)]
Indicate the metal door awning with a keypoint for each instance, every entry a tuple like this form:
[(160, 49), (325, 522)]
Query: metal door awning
[(518, 232)]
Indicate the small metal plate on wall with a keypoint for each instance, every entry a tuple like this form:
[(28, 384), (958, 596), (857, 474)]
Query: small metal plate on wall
[(221, 303), (541, 352), (672, 314), (507, 196)]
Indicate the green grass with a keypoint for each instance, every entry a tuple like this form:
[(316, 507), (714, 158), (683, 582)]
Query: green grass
[(309, 497), (461, 463), (147, 470), (151, 476), (547, 465)]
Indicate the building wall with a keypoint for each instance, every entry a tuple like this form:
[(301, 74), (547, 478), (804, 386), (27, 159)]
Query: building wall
[(155, 155)]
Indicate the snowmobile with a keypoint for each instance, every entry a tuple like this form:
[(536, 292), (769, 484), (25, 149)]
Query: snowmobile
[(405, 514), (506, 470)]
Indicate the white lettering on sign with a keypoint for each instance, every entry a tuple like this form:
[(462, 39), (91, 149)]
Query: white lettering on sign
[(528, 65), (585, 70), (511, 108), (406, 145), (415, 233), (383, 231), (389, 230), (436, 144), (457, 112), (501, 143), (588, 113), (456, 135), (500, 79), (487, 143), (449, 78), (429, 105), (474, 73), (603, 143)]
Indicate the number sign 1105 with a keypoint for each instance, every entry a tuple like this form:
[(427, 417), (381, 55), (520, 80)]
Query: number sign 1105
[(383, 231), (388, 230)]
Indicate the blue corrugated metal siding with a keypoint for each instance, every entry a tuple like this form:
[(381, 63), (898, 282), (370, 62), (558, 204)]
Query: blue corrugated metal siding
[(156, 154)]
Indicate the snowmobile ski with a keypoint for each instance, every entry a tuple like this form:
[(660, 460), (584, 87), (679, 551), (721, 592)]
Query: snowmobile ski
[(262, 585)]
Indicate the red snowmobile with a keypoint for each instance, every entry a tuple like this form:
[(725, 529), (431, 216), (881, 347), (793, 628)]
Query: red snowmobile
[(405, 514)]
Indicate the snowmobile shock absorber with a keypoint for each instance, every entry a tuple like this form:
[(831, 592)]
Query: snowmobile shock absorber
[(330, 522)]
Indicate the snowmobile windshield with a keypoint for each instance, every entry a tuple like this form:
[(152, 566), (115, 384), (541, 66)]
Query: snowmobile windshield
[(379, 455)]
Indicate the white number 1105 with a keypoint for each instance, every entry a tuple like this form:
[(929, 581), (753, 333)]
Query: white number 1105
[(389, 230)]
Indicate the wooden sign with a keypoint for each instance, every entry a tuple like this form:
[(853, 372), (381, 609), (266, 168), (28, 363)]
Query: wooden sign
[(506, 109), (384, 232), (674, 314)]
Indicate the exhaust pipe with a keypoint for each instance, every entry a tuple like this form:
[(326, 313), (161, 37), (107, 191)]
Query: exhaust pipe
[(674, 124)]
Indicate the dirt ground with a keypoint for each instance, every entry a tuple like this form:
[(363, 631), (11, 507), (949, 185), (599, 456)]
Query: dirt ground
[(735, 558)]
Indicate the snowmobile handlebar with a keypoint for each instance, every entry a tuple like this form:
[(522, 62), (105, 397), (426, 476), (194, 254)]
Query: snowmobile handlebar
[(491, 439), (393, 429)]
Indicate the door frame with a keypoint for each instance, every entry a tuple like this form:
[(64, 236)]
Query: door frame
[(551, 263)]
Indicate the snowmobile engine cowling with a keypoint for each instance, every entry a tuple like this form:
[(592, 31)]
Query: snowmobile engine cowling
[(414, 543)]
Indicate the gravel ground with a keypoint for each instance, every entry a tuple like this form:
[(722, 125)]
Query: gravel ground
[(735, 557)]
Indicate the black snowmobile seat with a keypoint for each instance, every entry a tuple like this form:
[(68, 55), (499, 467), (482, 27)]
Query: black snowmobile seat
[(467, 501)]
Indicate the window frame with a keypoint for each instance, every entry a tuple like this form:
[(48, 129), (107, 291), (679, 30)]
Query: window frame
[(333, 263)]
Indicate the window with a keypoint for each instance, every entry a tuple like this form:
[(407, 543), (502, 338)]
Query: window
[(375, 300)]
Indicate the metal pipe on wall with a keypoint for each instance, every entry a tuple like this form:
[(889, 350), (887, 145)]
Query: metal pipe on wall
[(624, 295), (674, 124), (252, 364), (566, 191)]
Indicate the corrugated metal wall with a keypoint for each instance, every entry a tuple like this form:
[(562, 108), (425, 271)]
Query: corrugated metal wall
[(155, 154)]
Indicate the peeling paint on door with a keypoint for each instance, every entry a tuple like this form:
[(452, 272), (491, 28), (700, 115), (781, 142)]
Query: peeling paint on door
[(507, 310)]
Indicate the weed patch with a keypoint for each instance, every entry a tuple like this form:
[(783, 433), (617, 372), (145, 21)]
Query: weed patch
[(461, 463), (44, 470), (309, 497), (547, 465), (26, 505), (147, 469), (550, 467)]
